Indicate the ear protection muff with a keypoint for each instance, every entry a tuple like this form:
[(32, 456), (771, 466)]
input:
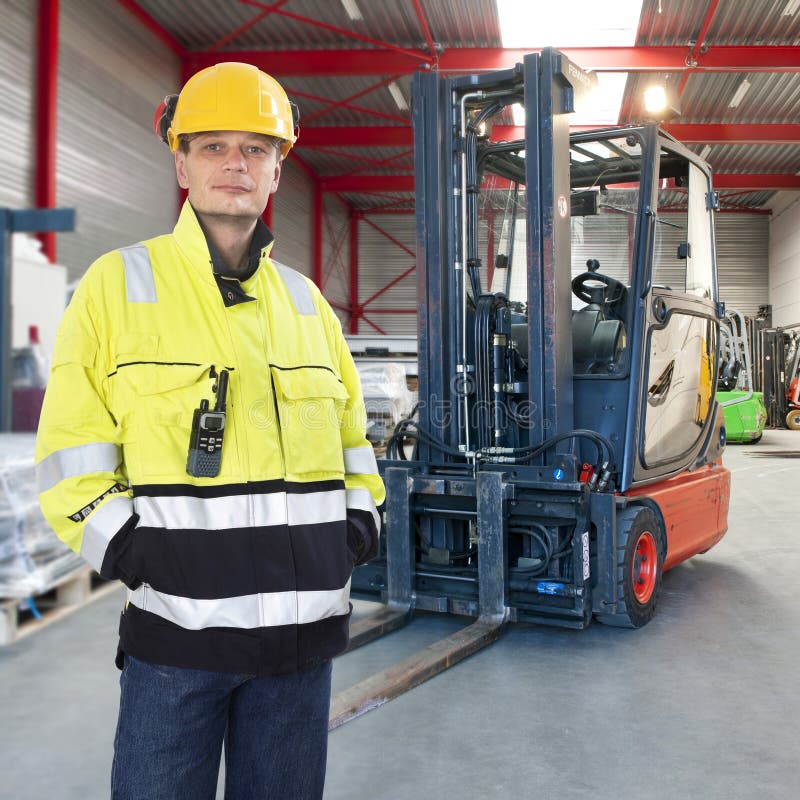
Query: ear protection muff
[(163, 116), (295, 117)]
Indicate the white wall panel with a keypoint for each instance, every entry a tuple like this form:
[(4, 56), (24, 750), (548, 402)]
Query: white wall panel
[(17, 81), (784, 261), (112, 73)]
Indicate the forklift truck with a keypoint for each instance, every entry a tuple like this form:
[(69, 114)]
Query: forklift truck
[(566, 449)]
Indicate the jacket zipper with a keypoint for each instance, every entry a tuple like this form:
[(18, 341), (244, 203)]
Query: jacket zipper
[(160, 364)]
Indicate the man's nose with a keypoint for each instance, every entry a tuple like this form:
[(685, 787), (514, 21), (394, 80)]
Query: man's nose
[(236, 160)]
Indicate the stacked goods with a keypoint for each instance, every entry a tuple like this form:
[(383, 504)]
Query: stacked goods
[(32, 559)]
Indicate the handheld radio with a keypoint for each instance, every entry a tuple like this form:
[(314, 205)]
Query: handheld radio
[(208, 428)]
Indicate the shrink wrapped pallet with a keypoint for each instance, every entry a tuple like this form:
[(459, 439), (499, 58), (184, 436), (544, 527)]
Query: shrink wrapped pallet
[(32, 558), (386, 397)]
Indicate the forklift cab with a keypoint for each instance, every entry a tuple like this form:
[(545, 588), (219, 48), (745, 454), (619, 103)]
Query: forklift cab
[(641, 239)]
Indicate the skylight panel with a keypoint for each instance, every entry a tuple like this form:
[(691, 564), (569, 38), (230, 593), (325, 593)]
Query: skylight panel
[(579, 23)]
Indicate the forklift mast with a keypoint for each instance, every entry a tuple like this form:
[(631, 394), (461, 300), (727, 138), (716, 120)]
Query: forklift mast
[(566, 447)]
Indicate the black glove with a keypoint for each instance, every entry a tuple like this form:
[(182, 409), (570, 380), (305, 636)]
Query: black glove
[(362, 535), (119, 562)]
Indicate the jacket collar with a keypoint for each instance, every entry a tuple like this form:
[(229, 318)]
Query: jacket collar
[(203, 257)]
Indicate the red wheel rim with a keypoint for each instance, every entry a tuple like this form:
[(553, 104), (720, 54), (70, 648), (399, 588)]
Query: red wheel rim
[(645, 567)]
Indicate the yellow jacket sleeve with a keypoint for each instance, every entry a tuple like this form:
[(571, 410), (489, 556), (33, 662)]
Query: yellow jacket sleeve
[(365, 490), (84, 492)]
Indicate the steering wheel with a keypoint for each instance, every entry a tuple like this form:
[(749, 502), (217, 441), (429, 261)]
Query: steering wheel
[(605, 292)]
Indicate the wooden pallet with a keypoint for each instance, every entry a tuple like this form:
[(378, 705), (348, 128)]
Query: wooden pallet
[(68, 595)]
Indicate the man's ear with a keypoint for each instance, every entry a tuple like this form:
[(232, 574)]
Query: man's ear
[(180, 169), (276, 177)]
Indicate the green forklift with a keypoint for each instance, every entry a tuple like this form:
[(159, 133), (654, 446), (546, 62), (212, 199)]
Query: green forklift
[(745, 412)]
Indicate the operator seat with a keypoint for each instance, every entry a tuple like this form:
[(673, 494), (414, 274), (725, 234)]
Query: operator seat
[(596, 340)]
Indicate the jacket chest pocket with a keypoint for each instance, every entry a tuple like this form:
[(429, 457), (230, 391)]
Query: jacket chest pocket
[(311, 404), (158, 399)]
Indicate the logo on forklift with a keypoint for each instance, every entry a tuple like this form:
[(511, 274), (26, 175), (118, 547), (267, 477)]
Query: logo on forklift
[(585, 548), (562, 206)]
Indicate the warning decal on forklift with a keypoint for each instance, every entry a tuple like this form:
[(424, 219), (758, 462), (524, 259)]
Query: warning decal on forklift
[(562, 206), (585, 543)]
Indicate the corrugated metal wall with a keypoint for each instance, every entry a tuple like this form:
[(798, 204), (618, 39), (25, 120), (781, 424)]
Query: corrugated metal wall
[(17, 82), (291, 219), (380, 262), (112, 73), (336, 255), (743, 260)]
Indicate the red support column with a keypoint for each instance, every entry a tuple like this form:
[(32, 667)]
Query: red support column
[(490, 216), (316, 235), (267, 215), (46, 111), (355, 308)]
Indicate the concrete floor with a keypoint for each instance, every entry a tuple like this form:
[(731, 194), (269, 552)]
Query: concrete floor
[(702, 703)]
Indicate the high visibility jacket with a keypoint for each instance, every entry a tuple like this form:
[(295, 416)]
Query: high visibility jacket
[(248, 571)]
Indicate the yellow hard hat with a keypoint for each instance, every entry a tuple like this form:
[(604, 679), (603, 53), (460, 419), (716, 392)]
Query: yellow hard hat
[(233, 96)]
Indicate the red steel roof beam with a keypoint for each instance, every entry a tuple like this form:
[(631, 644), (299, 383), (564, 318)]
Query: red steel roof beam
[(690, 133), (424, 25), (154, 27), (341, 103), (229, 37), (345, 104), (368, 183), (357, 136), (739, 133), (763, 181), (691, 57), (415, 54), (725, 58)]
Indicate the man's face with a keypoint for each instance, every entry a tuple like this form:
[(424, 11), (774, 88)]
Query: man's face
[(229, 173)]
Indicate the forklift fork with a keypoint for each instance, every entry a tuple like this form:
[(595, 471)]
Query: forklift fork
[(378, 689)]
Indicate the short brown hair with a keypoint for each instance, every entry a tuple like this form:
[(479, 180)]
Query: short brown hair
[(185, 138)]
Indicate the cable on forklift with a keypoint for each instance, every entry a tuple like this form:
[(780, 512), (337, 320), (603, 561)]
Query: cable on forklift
[(547, 550), (603, 469), (600, 441)]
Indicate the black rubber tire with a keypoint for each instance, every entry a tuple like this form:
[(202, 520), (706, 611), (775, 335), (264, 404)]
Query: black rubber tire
[(632, 524)]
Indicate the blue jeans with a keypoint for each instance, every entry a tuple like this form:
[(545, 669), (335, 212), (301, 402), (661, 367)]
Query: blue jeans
[(172, 723)]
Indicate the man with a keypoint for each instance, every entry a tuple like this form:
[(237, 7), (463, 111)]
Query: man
[(202, 439)]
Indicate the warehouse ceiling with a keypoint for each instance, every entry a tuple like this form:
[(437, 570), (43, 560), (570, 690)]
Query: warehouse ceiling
[(734, 64)]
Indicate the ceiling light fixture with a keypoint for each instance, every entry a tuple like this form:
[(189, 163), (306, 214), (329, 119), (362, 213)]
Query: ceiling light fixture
[(791, 7), (705, 151), (354, 12), (397, 96), (740, 92)]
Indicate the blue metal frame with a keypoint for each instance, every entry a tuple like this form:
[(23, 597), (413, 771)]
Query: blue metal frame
[(13, 221)]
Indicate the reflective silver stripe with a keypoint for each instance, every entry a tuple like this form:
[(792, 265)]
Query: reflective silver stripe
[(298, 289), (315, 507), (83, 459), (240, 511), (361, 498), (360, 461), (138, 274), (246, 611), (101, 526)]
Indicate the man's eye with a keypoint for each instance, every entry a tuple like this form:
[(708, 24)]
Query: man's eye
[(254, 149), (213, 147)]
